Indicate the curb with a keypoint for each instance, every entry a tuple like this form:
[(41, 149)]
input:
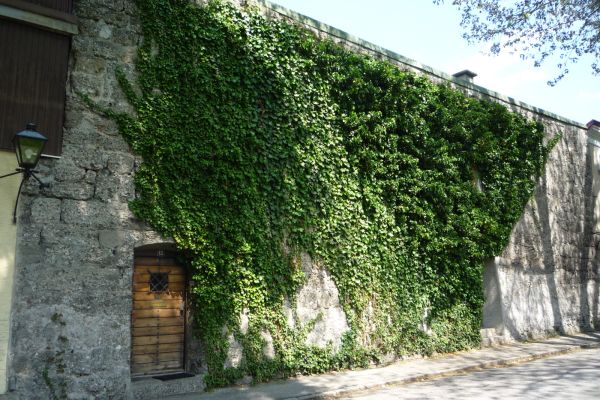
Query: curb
[(335, 394)]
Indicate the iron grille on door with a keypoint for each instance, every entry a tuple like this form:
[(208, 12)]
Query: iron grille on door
[(159, 282)]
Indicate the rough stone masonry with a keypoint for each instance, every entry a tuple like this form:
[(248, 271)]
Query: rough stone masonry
[(71, 331)]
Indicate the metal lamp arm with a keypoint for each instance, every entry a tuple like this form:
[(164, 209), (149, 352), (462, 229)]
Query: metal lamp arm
[(27, 173), (11, 174), (25, 177)]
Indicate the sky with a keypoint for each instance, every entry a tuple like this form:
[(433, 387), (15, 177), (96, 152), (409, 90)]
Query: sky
[(431, 35)]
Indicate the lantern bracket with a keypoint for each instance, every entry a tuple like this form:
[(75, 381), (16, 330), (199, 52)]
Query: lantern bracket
[(27, 173), (12, 173)]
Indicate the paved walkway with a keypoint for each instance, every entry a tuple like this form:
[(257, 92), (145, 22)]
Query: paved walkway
[(573, 376), (340, 384)]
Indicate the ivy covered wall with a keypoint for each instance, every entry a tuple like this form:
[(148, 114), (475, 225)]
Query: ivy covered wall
[(261, 143)]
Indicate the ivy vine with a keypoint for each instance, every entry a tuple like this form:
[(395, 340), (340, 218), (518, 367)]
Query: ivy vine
[(261, 141)]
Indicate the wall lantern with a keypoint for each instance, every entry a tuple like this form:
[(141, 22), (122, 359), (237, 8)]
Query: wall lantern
[(29, 145)]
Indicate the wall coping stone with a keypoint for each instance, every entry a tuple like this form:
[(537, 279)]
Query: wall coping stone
[(331, 31)]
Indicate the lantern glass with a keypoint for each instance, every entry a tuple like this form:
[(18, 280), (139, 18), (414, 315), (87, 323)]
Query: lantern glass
[(29, 145)]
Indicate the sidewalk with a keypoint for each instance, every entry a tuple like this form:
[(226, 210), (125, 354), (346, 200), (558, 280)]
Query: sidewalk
[(340, 384), (336, 385)]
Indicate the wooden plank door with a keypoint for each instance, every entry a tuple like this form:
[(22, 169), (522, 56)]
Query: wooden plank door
[(158, 316)]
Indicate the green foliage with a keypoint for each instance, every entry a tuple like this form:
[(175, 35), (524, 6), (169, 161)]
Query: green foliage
[(261, 142), (559, 31)]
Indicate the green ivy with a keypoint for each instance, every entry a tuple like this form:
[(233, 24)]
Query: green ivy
[(261, 142)]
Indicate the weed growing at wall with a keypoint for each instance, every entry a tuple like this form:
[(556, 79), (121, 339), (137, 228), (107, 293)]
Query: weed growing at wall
[(53, 373), (261, 142)]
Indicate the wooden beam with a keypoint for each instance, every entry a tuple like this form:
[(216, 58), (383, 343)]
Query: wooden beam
[(40, 17)]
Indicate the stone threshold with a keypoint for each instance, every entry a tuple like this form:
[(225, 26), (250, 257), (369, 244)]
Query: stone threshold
[(147, 387)]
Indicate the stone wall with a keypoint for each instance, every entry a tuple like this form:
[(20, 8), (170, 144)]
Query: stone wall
[(546, 280), (76, 240), (72, 295)]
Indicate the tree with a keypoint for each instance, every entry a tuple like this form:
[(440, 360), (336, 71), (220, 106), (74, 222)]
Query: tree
[(536, 29)]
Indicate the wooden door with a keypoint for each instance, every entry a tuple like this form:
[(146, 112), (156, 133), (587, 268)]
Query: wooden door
[(158, 317)]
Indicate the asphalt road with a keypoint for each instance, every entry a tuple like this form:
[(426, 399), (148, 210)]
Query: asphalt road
[(574, 376)]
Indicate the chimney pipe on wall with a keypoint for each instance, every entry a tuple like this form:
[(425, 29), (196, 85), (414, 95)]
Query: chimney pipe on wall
[(466, 75)]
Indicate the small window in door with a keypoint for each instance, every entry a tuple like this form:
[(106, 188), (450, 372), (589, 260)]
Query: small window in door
[(159, 282)]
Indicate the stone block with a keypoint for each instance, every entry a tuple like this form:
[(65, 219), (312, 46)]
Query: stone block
[(244, 322), (235, 353), (30, 253), (288, 312), (30, 233), (89, 85), (92, 65), (268, 349), (111, 238), (114, 188), (83, 344), (94, 213), (86, 157), (72, 190), (146, 389), (104, 31), (492, 308), (45, 210), (98, 9), (318, 299), (90, 177), (120, 163), (328, 329), (97, 135), (144, 236), (66, 171), (64, 235)]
